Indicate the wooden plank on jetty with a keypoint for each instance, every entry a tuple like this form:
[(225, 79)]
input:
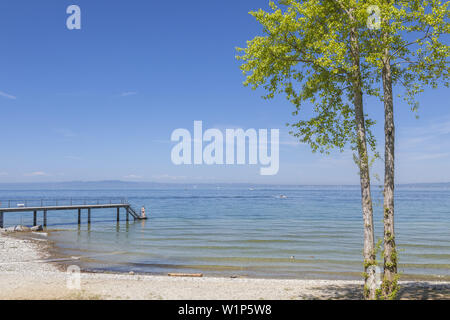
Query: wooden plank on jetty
[(58, 206)]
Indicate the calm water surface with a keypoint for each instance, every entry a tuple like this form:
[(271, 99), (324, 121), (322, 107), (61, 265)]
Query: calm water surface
[(316, 232)]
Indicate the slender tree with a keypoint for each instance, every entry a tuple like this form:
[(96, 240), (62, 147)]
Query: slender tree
[(311, 51), (407, 50)]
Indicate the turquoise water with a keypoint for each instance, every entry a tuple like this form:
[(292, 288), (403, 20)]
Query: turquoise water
[(316, 232)]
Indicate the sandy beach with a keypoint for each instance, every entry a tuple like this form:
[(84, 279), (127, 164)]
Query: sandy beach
[(27, 272)]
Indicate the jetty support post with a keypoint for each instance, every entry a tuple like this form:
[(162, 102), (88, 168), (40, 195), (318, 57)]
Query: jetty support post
[(79, 216), (1, 219), (45, 218), (128, 214), (34, 218), (118, 214), (89, 215)]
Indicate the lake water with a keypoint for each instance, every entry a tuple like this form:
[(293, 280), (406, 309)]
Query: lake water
[(315, 232)]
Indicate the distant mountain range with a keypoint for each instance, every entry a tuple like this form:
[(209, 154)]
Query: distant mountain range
[(119, 184)]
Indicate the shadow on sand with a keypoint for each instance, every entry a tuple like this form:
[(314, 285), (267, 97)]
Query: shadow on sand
[(408, 291)]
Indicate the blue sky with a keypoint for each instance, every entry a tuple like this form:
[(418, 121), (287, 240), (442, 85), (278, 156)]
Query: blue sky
[(100, 103)]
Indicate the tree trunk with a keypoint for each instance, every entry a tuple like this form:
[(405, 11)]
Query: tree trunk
[(366, 198), (389, 286)]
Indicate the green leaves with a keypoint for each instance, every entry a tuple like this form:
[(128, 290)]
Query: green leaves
[(412, 32), (305, 54)]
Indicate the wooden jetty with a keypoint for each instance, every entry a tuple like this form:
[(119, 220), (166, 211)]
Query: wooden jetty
[(45, 205)]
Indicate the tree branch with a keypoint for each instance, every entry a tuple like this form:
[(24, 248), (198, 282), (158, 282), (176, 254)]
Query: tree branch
[(411, 43), (342, 7)]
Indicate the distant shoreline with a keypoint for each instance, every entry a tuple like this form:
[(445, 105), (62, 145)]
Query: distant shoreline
[(119, 184), (24, 275)]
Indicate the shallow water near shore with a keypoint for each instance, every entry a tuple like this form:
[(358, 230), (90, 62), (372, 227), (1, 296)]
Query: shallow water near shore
[(314, 232)]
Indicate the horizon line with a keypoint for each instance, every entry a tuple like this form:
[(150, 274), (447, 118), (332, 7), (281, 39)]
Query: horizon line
[(206, 183)]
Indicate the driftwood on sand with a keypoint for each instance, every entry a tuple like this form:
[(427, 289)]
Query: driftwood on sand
[(195, 275)]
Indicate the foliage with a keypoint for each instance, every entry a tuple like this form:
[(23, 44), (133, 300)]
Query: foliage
[(412, 31), (304, 54)]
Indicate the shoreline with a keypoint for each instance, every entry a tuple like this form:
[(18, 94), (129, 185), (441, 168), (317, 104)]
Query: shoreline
[(29, 271)]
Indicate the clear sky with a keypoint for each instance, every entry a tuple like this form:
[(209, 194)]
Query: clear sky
[(100, 103)]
